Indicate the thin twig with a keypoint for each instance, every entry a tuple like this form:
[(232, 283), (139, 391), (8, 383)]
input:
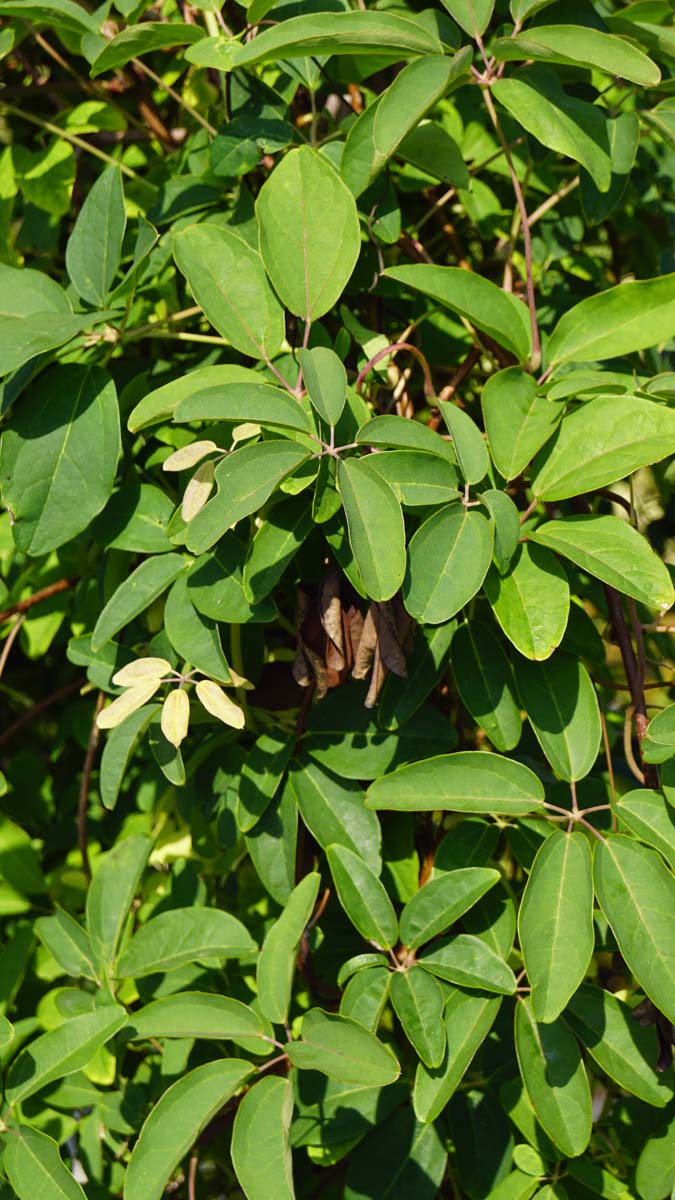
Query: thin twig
[(553, 200), (192, 1175), (141, 66), (84, 788), (40, 707), (64, 134), (22, 606), (393, 349), (610, 765), (9, 641)]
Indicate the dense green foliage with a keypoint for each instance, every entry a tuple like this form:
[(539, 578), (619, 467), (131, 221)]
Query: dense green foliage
[(337, 844)]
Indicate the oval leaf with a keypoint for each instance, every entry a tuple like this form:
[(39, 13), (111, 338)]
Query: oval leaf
[(61, 1051), (261, 1154), (276, 964), (448, 559), (562, 708), (614, 552), (175, 1123), (309, 232), (184, 935), (376, 529), (485, 305), (555, 1080), (606, 439), (531, 601), (557, 938), (228, 281), (637, 895), (468, 781), (342, 1049), (363, 897), (437, 905)]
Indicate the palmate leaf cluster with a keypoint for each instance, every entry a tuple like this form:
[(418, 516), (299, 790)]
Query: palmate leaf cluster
[(337, 844)]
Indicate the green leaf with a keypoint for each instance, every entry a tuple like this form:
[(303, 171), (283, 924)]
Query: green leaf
[(376, 528), (94, 247), (111, 893), (216, 585), (176, 1121), (342, 1049), (63, 14), (531, 601), (485, 305), (448, 558), (614, 552), (468, 781), (309, 231), (518, 420), (183, 935), (401, 697), (382, 34), (199, 1015), (624, 140), (68, 943), (555, 1079), (468, 442), (365, 997), (416, 478), (143, 39), (516, 1185), (506, 522), (261, 1153), (276, 964), (402, 433), (272, 845), (579, 46), (468, 1019), (470, 844), (275, 545), (136, 593), (469, 962), (261, 403), (637, 895), (376, 135), (441, 901), (555, 922), (473, 15), (23, 338), (623, 1048), (400, 1159), (135, 518), (61, 1051), (363, 897), (562, 708), (659, 742), (228, 281), (418, 1002), (246, 479), (59, 456), (261, 773), (118, 750), (559, 121), (606, 439), (485, 683), (655, 1171), (34, 1166), (326, 382), (631, 316), (161, 404), (194, 637), (648, 816), (334, 812), (431, 149)]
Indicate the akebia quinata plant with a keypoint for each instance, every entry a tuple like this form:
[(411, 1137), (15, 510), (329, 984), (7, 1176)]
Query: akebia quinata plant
[(338, 745)]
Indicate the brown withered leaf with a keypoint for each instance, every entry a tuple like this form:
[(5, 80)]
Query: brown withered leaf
[(386, 632)]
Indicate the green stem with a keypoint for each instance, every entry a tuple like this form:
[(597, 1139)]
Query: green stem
[(75, 141)]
